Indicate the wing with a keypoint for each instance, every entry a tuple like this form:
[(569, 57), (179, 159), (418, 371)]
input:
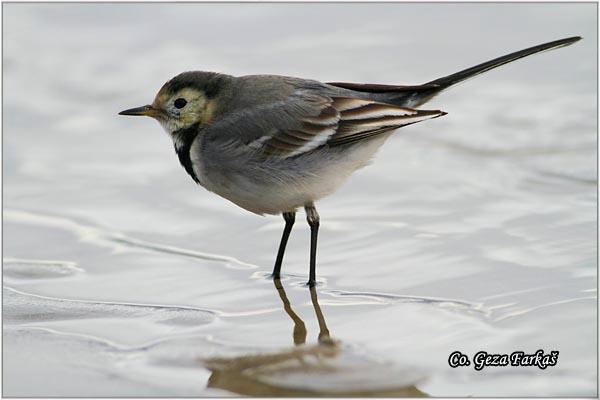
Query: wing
[(362, 119), (308, 120)]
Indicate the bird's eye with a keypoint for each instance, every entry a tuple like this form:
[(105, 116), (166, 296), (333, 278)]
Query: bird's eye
[(180, 103)]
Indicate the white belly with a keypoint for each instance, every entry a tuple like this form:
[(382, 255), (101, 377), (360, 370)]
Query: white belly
[(286, 184)]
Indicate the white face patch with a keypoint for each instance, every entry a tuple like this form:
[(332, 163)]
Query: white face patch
[(167, 125)]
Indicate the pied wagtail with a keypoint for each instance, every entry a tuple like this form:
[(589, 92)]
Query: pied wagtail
[(272, 144)]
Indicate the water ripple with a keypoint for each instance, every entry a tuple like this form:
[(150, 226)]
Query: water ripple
[(524, 311), (101, 237), (22, 308), (387, 298), (24, 269)]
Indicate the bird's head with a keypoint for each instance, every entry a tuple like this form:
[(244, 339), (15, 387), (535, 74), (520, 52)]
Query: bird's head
[(186, 100)]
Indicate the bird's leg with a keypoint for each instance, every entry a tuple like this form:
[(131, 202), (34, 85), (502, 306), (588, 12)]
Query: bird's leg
[(312, 216), (289, 218)]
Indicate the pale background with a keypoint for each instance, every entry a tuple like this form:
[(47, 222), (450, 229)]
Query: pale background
[(475, 231)]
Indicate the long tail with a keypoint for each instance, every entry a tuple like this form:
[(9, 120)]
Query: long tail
[(416, 95), (453, 79)]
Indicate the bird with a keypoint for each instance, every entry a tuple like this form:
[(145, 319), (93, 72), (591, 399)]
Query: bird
[(273, 144)]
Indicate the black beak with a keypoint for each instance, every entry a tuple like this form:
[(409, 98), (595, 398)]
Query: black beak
[(144, 110)]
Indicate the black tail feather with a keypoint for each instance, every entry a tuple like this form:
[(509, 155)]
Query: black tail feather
[(413, 96), (496, 62)]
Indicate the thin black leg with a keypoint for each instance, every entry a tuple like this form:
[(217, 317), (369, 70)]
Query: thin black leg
[(289, 218), (312, 216)]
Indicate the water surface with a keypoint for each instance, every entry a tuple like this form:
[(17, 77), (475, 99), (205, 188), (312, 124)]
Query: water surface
[(475, 231)]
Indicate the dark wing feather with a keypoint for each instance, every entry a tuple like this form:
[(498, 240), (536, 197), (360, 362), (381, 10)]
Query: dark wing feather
[(363, 119), (308, 120), (305, 133)]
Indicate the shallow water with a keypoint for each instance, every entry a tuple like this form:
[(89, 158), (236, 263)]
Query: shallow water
[(476, 231)]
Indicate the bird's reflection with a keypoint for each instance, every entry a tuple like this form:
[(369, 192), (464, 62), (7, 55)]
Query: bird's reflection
[(291, 372), (299, 334), (299, 326)]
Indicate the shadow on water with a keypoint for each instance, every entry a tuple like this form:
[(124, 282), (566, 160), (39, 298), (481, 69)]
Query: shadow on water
[(325, 369)]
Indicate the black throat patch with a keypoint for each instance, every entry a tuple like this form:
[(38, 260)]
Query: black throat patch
[(183, 142)]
